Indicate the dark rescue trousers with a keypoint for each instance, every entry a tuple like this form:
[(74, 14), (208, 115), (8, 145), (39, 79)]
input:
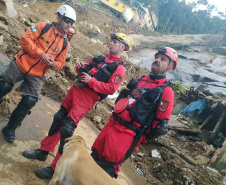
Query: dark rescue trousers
[(5, 88)]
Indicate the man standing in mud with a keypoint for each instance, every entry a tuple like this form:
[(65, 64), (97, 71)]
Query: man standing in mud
[(100, 77), (141, 113), (44, 46)]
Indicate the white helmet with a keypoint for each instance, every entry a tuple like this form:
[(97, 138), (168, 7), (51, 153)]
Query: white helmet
[(67, 11)]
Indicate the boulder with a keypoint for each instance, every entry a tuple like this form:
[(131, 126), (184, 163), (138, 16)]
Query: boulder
[(220, 50), (6, 7)]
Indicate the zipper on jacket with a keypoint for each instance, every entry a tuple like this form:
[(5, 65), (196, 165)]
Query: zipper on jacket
[(22, 55), (44, 71), (45, 52)]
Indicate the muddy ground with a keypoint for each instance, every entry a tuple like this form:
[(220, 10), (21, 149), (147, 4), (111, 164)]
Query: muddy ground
[(183, 166)]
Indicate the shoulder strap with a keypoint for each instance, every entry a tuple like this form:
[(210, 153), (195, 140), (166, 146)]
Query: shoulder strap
[(64, 46), (121, 63), (45, 29)]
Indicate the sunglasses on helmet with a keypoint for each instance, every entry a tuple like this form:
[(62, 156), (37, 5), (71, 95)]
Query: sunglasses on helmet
[(161, 49), (68, 20)]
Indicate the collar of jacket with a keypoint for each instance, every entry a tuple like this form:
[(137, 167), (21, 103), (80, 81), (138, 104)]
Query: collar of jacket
[(153, 77), (114, 58)]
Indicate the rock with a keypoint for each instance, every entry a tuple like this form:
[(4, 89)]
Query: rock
[(101, 126), (125, 55), (64, 80), (102, 37), (96, 29), (27, 23), (97, 119), (1, 40), (209, 151), (224, 180), (140, 154), (2, 18), (220, 50), (155, 154), (3, 27), (8, 8), (171, 133), (202, 159)]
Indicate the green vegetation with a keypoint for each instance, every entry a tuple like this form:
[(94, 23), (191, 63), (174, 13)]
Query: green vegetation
[(177, 88), (177, 17), (90, 3)]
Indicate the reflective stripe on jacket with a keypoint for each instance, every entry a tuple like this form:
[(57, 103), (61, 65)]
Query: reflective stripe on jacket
[(51, 42)]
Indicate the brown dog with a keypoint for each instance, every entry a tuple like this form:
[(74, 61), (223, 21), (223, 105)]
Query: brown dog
[(77, 167)]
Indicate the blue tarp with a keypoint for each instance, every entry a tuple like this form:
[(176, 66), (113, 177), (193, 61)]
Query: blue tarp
[(195, 108)]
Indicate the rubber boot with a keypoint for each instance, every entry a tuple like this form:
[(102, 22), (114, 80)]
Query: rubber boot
[(38, 154), (45, 173), (16, 118)]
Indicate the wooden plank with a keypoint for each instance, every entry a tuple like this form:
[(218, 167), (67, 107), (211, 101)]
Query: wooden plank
[(185, 130)]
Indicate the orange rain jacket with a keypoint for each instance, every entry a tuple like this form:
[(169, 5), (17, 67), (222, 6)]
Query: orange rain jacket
[(51, 42)]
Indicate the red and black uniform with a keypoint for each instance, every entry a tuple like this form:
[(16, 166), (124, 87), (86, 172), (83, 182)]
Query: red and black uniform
[(115, 139), (79, 101)]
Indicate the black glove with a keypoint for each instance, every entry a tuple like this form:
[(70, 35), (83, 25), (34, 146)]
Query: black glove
[(99, 58), (132, 83), (159, 130)]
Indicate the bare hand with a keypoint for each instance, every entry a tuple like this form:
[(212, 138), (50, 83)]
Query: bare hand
[(84, 77), (80, 64), (47, 59)]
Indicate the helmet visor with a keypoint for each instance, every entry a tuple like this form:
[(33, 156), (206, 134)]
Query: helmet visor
[(68, 20)]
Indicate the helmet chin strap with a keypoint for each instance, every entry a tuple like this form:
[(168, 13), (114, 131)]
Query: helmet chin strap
[(158, 73)]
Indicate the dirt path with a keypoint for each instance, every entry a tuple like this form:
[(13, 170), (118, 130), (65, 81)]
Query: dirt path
[(18, 170)]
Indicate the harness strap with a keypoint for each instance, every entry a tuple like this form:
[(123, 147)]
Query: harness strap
[(125, 123)]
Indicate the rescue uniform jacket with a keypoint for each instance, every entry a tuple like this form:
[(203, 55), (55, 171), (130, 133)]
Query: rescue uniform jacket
[(115, 139), (79, 101), (51, 42)]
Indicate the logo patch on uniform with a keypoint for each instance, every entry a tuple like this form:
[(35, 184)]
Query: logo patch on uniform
[(45, 40), (117, 79), (34, 29), (57, 49), (163, 105)]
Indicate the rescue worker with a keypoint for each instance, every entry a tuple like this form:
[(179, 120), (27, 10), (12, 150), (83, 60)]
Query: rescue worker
[(44, 46), (70, 34), (141, 113), (100, 77)]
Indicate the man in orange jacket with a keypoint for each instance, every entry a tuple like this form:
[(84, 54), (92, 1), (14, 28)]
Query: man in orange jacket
[(41, 50), (97, 79), (141, 113), (70, 34)]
